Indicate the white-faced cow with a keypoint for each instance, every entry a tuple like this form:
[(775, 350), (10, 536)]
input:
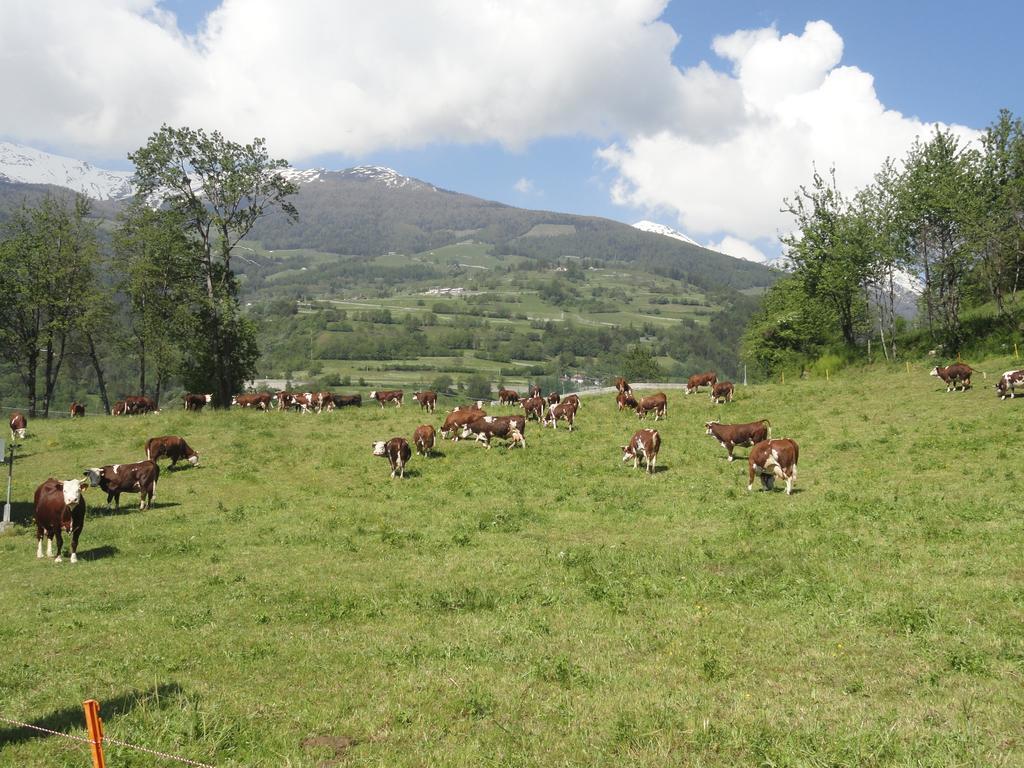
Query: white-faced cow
[(77, 410), (554, 398), (397, 452), (625, 400), (622, 386), (565, 411), (507, 396), (772, 459), (535, 391), (19, 425), (173, 447), (59, 506), (196, 402), (953, 375), (423, 438), (388, 396), (534, 407), (699, 380), (511, 428), (323, 401), (657, 403), (456, 420), (115, 479), (645, 443), (1008, 382), (731, 435), (722, 392), (426, 399), (119, 409)]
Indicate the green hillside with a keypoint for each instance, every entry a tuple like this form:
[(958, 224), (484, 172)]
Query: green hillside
[(542, 607)]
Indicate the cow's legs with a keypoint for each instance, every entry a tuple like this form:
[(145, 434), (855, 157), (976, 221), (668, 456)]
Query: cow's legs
[(60, 547), (39, 543), (75, 533)]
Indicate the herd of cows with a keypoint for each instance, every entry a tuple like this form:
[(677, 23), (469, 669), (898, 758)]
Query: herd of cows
[(60, 507)]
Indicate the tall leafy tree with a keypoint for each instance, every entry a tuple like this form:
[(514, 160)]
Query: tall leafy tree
[(218, 189)]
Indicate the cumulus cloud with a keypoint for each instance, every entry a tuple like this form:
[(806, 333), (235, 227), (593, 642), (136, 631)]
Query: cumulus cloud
[(740, 249), (799, 108), (524, 186), (317, 76)]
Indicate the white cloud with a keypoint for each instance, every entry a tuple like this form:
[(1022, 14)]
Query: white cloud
[(318, 76), (740, 249), (523, 185), (799, 108)]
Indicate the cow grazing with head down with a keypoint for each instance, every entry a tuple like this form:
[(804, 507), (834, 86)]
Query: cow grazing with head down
[(426, 399), (731, 435), (139, 404), (699, 380), (59, 506), (173, 447), (510, 428), (645, 443), (19, 425), (196, 402), (76, 410), (345, 401), (507, 396), (574, 399), (383, 396), (423, 438), (625, 400), (722, 392), (953, 375), (1008, 382), (657, 403), (565, 411), (260, 400), (772, 459), (457, 419), (397, 452), (534, 407), (115, 479), (119, 409)]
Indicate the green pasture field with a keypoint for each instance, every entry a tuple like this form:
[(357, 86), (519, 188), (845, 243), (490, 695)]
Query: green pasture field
[(542, 607)]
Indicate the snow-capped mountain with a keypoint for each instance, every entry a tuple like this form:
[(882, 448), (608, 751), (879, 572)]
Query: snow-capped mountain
[(661, 229), (389, 177), (19, 163)]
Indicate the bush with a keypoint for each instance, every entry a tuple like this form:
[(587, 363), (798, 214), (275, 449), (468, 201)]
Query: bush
[(478, 386), (828, 362)]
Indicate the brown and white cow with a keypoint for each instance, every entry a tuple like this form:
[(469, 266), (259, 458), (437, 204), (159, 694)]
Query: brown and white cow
[(426, 399), (623, 386), (323, 401), (573, 398), (625, 400), (957, 373), (19, 425), (59, 506), (119, 409), (173, 447), (115, 479), (344, 401), (657, 403), (397, 452), (456, 420), (76, 410), (534, 407), (1008, 382), (565, 410), (423, 438), (772, 459), (731, 435), (261, 400), (138, 404), (554, 398), (388, 396), (700, 380), (507, 396), (511, 428), (197, 402), (535, 391), (645, 443), (722, 391)]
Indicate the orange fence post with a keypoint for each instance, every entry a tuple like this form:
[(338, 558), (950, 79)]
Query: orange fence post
[(95, 725)]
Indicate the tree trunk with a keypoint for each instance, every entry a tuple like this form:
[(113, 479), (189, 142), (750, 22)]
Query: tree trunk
[(100, 382), (53, 371), (159, 384), (142, 366), (47, 377), (30, 381)]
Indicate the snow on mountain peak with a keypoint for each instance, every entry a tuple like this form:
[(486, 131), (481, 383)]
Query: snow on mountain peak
[(26, 165), (389, 177), (661, 229)]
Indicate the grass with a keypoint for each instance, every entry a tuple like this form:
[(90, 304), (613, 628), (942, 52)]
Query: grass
[(286, 601)]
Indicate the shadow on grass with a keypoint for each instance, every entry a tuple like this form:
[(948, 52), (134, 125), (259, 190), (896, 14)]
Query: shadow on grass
[(72, 718), (22, 512), (98, 553), (108, 510)]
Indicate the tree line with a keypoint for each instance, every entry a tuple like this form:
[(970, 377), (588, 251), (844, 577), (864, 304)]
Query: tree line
[(159, 287), (949, 217)]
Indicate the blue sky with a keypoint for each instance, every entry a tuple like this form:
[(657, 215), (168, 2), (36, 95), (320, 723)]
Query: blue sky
[(585, 106)]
